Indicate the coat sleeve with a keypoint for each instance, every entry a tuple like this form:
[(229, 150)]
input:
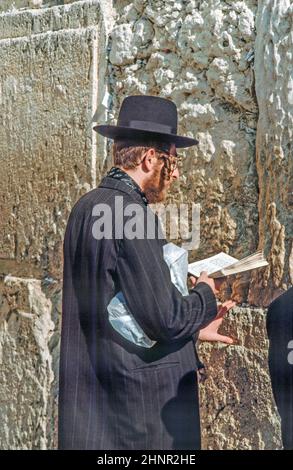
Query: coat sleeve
[(160, 309)]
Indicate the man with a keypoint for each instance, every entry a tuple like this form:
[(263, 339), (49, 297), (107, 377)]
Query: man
[(115, 394), (280, 333)]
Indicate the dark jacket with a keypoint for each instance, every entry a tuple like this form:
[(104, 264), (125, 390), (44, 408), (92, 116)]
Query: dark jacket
[(114, 394), (280, 333)]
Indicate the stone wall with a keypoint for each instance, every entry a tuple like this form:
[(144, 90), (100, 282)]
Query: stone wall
[(68, 64), (200, 54), (51, 63), (274, 91)]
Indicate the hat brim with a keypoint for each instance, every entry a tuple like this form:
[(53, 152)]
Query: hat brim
[(116, 132)]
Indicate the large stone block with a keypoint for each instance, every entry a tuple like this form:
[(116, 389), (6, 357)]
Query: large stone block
[(51, 61), (29, 345), (237, 406), (200, 55), (274, 154), (7, 5)]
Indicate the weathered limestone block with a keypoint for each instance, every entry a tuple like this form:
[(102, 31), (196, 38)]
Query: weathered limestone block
[(6, 5), (199, 54), (49, 86), (22, 4), (274, 155), (28, 346), (237, 406)]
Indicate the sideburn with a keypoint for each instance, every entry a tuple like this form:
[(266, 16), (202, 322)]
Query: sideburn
[(155, 190)]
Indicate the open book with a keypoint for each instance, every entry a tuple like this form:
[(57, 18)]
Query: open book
[(223, 265)]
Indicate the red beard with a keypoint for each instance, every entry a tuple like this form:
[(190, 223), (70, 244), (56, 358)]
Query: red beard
[(155, 190)]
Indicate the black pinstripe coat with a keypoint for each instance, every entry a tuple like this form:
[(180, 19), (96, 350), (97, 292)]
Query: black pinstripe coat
[(114, 394)]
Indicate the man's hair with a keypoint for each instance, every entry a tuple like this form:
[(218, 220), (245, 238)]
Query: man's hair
[(127, 153)]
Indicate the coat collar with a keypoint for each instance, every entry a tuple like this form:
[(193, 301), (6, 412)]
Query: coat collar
[(120, 185), (119, 174)]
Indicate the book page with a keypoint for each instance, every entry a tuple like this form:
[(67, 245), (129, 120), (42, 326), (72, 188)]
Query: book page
[(212, 264)]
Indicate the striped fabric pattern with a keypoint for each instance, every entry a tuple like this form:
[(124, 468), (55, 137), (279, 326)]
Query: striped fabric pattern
[(114, 394)]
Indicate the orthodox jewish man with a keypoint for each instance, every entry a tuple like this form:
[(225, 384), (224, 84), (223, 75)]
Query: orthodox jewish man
[(116, 392)]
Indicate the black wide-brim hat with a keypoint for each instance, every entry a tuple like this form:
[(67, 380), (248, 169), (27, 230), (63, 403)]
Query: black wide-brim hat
[(147, 118)]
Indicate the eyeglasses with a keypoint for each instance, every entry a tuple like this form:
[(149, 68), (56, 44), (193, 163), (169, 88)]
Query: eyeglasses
[(172, 161)]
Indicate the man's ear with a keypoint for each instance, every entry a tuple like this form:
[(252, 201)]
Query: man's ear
[(149, 159)]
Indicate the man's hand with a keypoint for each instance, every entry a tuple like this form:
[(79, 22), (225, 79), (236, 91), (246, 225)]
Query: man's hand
[(210, 332), (214, 284)]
